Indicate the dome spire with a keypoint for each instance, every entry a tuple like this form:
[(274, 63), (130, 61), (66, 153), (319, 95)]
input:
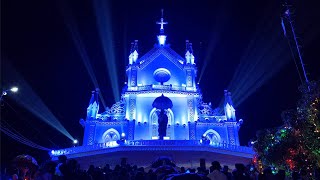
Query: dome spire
[(162, 37), (161, 22)]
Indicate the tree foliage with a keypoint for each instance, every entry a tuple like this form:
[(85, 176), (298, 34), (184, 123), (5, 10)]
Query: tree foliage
[(295, 145)]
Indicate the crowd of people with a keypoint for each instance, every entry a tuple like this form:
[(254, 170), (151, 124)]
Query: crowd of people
[(69, 169)]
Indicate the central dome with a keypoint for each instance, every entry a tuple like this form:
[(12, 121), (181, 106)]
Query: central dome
[(161, 75)]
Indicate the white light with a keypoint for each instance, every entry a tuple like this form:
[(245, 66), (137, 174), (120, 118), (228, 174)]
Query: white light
[(14, 89), (75, 141), (52, 152), (111, 144), (123, 134), (162, 39)]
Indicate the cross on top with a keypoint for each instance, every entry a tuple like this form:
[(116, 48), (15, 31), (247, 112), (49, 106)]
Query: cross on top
[(161, 22)]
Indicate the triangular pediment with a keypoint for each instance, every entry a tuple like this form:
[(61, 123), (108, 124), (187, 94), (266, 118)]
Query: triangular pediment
[(170, 54)]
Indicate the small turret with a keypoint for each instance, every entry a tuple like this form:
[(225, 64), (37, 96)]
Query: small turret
[(189, 53), (229, 110), (133, 52), (93, 107)]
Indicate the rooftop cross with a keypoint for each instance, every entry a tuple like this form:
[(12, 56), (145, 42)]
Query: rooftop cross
[(162, 23)]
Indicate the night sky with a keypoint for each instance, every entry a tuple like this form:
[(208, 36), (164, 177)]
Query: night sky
[(35, 40)]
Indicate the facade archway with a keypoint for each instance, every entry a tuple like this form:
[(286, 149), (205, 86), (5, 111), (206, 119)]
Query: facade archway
[(110, 135), (213, 136), (153, 121)]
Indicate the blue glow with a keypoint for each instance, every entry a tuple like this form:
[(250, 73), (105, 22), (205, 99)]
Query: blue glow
[(161, 71), (162, 39)]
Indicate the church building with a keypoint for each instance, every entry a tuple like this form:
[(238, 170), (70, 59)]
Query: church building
[(160, 80)]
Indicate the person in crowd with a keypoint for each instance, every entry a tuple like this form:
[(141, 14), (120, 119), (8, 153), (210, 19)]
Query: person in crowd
[(225, 170), (240, 173), (61, 168), (215, 173)]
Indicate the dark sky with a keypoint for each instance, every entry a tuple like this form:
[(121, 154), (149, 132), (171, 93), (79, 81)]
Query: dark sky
[(35, 40)]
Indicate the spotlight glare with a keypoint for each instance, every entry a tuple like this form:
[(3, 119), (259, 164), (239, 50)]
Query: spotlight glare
[(75, 141), (123, 134), (14, 89)]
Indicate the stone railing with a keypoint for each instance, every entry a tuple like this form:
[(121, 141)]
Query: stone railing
[(157, 87), (182, 144)]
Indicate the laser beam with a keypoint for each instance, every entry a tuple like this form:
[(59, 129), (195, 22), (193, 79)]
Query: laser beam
[(32, 102), (265, 56), (77, 40), (104, 25)]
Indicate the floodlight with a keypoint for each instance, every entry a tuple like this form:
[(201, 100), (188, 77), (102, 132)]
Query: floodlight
[(14, 89)]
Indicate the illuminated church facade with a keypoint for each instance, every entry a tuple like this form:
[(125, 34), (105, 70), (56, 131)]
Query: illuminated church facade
[(133, 121)]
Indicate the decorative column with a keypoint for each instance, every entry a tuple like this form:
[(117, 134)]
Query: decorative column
[(132, 108), (231, 135), (192, 130), (89, 134), (133, 77), (131, 126), (190, 108)]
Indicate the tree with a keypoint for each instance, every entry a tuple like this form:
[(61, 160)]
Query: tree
[(294, 146)]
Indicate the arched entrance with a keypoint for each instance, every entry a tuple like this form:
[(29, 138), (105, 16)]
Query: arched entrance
[(110, 135), (153, 119), (213, 136)]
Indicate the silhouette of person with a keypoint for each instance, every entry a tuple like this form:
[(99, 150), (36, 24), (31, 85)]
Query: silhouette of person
[(162, 121)]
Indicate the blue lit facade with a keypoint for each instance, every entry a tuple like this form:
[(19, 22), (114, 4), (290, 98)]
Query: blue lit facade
[(129, 129), (161, 71)]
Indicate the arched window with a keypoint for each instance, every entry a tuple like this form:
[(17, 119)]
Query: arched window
[(111, 135), (154, 122)]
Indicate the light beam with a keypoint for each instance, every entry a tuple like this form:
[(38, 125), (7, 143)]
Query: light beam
[(32, 102), (104, 25), (77, 40)]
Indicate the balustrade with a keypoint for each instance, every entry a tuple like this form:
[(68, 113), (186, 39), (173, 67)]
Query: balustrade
[(181, 144), (157, 87)]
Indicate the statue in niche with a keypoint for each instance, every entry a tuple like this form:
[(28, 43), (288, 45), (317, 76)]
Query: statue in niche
[(163, 122)]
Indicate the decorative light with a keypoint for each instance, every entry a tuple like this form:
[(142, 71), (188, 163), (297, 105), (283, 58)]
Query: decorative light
[(5, 92), (14, 89), (162, 39)]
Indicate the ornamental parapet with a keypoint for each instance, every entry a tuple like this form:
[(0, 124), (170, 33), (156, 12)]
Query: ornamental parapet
[(159, 87), (194, 93), (145, 145)]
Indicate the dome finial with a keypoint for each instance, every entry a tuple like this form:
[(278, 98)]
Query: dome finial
[(162, 37)]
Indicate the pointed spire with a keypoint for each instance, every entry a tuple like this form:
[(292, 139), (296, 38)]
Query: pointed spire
[(228, 106), (132, 46), (133, 52), (189, 47), (93, 107), (92, 98), (135, 47), (227, 96), (189, 53)]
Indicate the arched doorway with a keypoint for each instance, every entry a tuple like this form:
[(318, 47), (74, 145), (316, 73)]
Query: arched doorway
[(110, 135), (153, 119), (213, 136)]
